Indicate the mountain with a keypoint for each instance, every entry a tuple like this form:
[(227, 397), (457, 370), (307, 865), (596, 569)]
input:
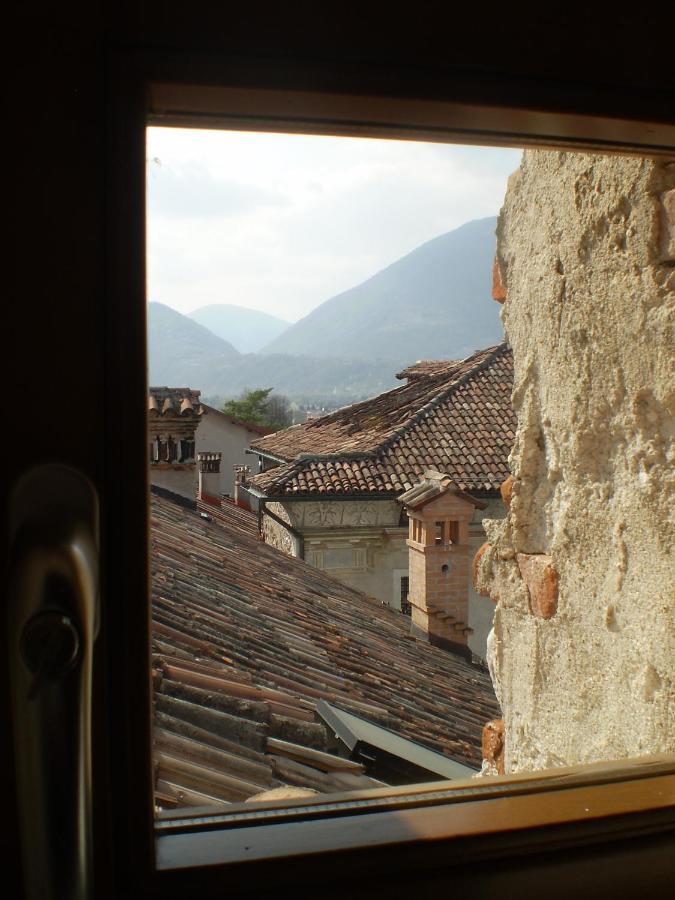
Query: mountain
[(433, 303), (248, 329), (312, 378), (182, 352)]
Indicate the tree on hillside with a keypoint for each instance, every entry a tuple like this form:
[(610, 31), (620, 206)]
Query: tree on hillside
[(261, 407)]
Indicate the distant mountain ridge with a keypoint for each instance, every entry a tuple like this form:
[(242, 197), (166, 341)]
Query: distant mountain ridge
[(435, 302), (183, 353), (249, 330)]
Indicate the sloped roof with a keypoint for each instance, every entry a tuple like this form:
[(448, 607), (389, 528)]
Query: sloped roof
[(229, 514), (247, 640), (457, 419), (423, 368)]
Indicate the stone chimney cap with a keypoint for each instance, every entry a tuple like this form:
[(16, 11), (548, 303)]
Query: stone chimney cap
[(433, 485)]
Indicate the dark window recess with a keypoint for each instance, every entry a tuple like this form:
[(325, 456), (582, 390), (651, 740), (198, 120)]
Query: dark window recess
[(171, 450), (405, 590), (162, 454), (187, 450)]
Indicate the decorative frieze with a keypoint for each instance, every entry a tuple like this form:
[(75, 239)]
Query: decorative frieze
[(346, 514)]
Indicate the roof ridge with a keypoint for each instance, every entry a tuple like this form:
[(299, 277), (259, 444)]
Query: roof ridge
[(303, 459), (401, 430)]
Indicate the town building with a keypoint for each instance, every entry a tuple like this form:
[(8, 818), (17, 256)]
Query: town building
[(183, 430), (174, 415), (231, 438), (330, 488)]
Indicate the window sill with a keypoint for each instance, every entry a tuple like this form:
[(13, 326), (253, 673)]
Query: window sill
[(456, 820)]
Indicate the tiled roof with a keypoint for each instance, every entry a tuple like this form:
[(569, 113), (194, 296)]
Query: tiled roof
[(235, 518), (168, 401), (458, 420), (247, 640), (425, 367)]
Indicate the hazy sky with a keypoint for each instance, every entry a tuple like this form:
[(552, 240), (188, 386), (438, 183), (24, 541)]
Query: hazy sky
[(282, 222)]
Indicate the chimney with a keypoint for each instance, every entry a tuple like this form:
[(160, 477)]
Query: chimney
[(241, 474), (439, 559), (208, 485)]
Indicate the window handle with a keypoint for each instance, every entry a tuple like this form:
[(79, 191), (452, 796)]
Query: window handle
[(53, 621)]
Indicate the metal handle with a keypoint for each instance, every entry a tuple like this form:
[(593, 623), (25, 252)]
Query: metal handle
[(53, 621)]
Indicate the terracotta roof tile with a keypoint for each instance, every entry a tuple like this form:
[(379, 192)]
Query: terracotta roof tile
[(423, 368), (456, 417), (169, 401), (246, 640)]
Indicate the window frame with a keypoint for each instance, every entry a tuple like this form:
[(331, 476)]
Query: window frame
[(145, 87)]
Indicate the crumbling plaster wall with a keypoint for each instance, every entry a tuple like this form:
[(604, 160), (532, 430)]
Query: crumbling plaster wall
[(586, 250)]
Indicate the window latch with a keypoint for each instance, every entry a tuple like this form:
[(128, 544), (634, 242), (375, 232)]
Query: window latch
[(53, 622)]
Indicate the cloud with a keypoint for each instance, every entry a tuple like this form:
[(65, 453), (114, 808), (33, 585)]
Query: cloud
[(192, 191), (283, 222)]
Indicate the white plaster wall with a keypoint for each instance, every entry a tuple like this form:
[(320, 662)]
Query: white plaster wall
[(589, 317), (376, 579), (180, 480), (333, 524), (383, 555), (215, 432)]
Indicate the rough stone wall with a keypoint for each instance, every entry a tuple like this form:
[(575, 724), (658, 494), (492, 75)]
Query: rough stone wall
[(481, 609), (582, 566), (275, 534)]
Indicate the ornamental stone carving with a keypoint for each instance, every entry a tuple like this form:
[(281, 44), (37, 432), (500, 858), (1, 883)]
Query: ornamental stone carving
[(341, 514)]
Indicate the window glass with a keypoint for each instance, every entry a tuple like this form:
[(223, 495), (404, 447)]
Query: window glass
[(322, 320)]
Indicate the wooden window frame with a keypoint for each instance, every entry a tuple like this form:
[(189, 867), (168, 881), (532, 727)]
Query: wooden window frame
[(533, 818)]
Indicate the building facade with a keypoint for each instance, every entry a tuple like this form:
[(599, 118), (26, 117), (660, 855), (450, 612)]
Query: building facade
[(174, 415), (330, 488), (231, 438)]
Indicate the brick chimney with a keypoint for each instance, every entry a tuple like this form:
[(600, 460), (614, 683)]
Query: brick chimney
[(241, 474), (439, 558), (173, 417), (208, 483)]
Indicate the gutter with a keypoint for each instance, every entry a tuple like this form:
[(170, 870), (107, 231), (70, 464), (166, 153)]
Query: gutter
[(276, 459)]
